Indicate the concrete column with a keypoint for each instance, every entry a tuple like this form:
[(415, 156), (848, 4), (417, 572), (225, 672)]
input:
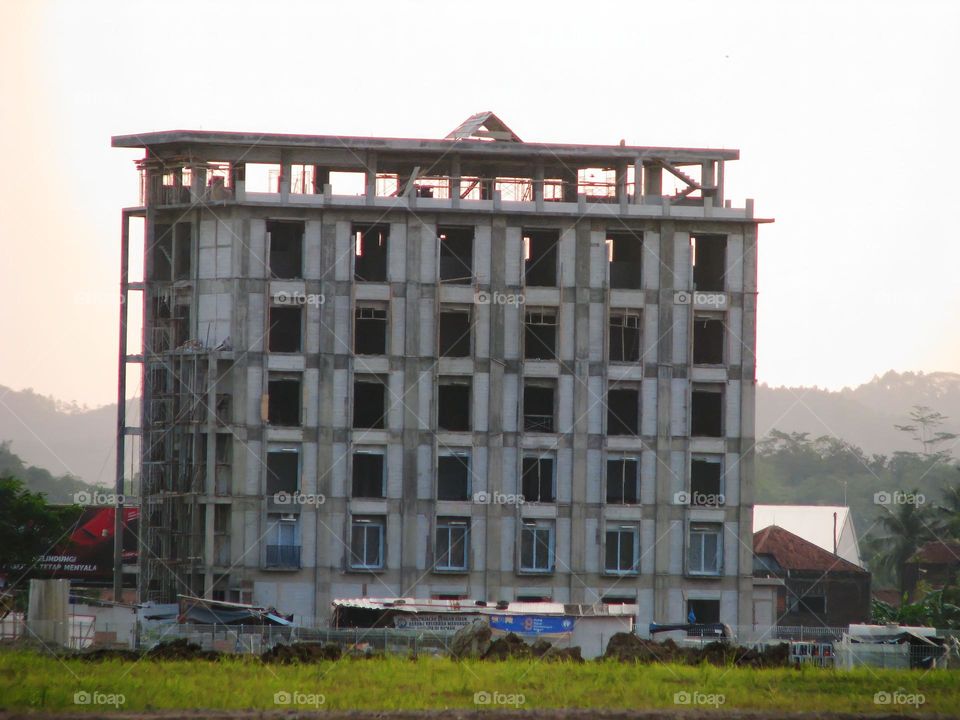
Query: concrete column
[(454, 182), (653, 180), (582, 400), (665, 514), (370, 189), (494, 576)]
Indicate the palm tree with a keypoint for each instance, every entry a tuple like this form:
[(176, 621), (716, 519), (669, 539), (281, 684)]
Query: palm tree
[(907, 526)]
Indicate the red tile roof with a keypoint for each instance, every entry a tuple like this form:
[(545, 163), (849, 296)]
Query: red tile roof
[(792, 552), (938, 552)]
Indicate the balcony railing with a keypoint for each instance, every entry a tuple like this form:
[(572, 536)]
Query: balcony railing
[(538, 423), (283, 556)]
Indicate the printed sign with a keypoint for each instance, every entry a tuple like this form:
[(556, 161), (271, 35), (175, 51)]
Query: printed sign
[(432, 622), (533, 624)]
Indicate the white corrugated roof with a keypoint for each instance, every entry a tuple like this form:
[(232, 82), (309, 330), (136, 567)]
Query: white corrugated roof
[(430, 606), (813, 523)]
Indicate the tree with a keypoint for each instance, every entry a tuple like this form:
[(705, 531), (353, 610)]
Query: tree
[(29, 525), (924, 429), (908, 526)]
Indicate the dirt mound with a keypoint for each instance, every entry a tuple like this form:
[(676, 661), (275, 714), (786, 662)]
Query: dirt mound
[(569, 654), (627, 647), (181, 649), (540, 647), (509, 646), (102, 654), (301, 653)]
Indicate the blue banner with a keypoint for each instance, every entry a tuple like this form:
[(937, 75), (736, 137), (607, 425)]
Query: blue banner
[(532, 624)]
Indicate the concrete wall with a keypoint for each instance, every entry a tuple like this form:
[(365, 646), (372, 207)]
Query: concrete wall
[(232, 296)]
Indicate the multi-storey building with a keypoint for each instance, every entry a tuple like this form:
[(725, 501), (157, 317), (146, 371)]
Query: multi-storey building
[(472, 367)]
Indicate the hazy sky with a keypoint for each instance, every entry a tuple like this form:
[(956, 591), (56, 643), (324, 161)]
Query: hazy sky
[(845, 114)]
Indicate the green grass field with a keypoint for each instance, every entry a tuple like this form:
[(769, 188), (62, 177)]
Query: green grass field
[(29, 681)]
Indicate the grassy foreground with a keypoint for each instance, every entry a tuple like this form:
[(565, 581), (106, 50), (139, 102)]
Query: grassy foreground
[(31, 681)]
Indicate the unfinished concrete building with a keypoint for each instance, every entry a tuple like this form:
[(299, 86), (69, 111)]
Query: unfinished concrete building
[(466, 368)]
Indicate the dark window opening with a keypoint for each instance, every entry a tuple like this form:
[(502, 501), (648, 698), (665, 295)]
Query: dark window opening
[(453, 477), (451, 543), (703, 612), (286, 329), (706, 413), (625, 253), (625, 337), (706, 481), (283, 471), (370, 331), (620, 550), (537, 480), (617, 600), (369, 404), (538, 408), (623, 481), (454, 334), (456, 254), (283, 405), (370, 263), (534, 598), (182, 252), (812, 604), (707, 341), (540, 336), (453, 407), (709, 262), (540, 257), (286, 248), (161, 253), (368, 475), (623, 412)]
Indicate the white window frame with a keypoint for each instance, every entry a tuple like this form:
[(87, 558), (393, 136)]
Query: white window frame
[(537, 526), (622, 530), (449, 524), (381, 524), (700, 529)]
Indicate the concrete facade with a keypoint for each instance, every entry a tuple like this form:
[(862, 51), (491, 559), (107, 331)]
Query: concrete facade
[(222, 411)]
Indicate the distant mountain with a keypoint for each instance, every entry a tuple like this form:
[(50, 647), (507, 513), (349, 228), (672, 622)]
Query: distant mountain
[(58, 489), (865, 415), (65, 438)]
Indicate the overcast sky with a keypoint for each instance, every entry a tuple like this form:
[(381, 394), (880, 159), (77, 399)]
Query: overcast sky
[(845, 114)]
